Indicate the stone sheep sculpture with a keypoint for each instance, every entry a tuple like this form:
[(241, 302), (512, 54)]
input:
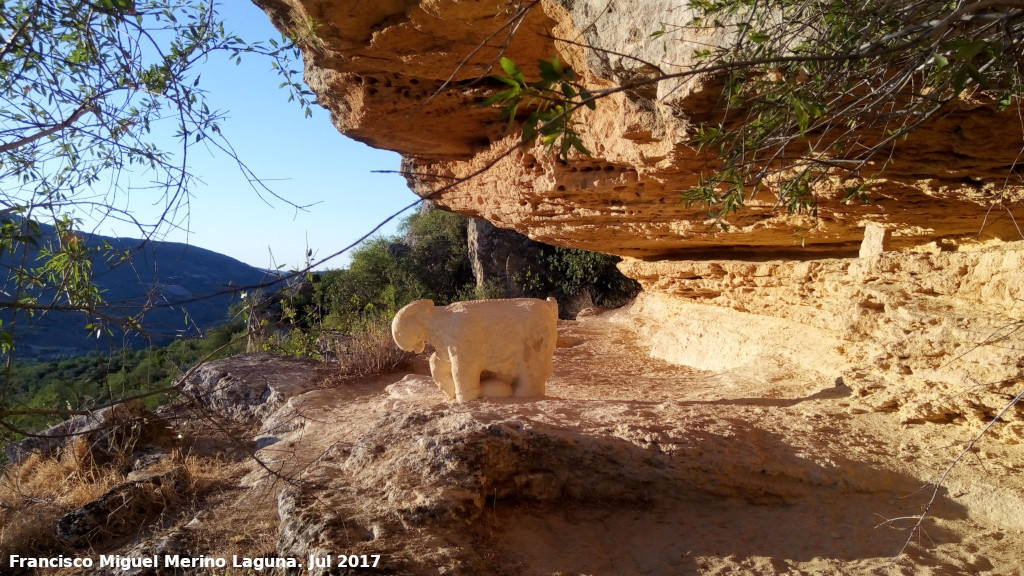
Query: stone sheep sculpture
[(484, 348)]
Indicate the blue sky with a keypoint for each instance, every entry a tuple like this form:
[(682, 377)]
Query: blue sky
[(304, 160)]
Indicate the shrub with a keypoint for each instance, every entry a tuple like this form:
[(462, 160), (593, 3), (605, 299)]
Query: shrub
[(386, 273), (370, 349), (577, 278), (491, 290)]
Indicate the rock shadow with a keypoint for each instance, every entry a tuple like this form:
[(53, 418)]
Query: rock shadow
[(490, 491), (762, 505)]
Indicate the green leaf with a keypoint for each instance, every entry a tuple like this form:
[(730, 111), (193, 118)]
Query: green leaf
[(6, 341), (503, 96), (529, 131), (557, 65), (976, 75), (548, 71), (509, 67), (511, 112), (802, 118), (508, 81), (1005, 99), (855, 193), (588, 99), (578, 145), (959, 82), (120, 7), (758, 37)]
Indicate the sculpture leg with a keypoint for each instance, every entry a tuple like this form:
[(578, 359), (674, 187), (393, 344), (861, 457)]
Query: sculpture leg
[(441, 371), (531, 380), (467, 379)]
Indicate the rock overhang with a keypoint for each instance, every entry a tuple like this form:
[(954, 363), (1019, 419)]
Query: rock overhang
[(409, 76)]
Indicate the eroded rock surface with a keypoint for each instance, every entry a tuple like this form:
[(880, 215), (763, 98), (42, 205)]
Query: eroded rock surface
[(637, 465), (784, 362), (776, 462), (937, 317), (408, 76), (909, 284), (248, 388), (499, 256), (107, 432)]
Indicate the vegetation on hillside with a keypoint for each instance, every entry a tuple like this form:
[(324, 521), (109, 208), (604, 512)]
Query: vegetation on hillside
[(84, 382), (99, 102), (428, 259), (339, 315)]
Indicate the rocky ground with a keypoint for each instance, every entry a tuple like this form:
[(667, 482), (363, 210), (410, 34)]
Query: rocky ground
[(631, 465)]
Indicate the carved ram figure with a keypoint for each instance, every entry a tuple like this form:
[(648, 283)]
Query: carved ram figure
[(484, 348)]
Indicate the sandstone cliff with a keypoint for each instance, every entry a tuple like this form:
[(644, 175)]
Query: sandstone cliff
[(407, 76), (763, 407), (824, 372)]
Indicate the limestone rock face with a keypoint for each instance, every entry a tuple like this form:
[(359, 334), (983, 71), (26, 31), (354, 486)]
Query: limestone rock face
[(407, 75), (915, 298), (107, 431), (931, 334), (249, 388)]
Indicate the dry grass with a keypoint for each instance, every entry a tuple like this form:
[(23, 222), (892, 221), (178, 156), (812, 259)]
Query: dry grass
[(40, 490), (571, 307), (217, 529), (371, 350), (37, 492)]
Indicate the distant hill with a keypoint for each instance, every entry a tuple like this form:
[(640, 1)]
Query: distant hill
[(189, 290)]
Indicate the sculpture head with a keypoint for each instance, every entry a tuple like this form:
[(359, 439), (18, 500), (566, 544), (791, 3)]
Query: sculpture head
[(409, 328)]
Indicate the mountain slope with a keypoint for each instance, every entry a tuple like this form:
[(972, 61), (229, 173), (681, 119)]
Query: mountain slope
[(184, 290)]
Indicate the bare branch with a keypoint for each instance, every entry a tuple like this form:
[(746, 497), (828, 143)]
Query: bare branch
[(59, 127)]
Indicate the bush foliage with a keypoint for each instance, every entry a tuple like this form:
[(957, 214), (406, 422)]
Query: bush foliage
[(430, 259), (86, 382)]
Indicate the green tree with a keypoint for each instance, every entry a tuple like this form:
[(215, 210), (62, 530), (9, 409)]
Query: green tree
[(428, 259), (569, 274), (379, 281), (439, 256), (90, 95)]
